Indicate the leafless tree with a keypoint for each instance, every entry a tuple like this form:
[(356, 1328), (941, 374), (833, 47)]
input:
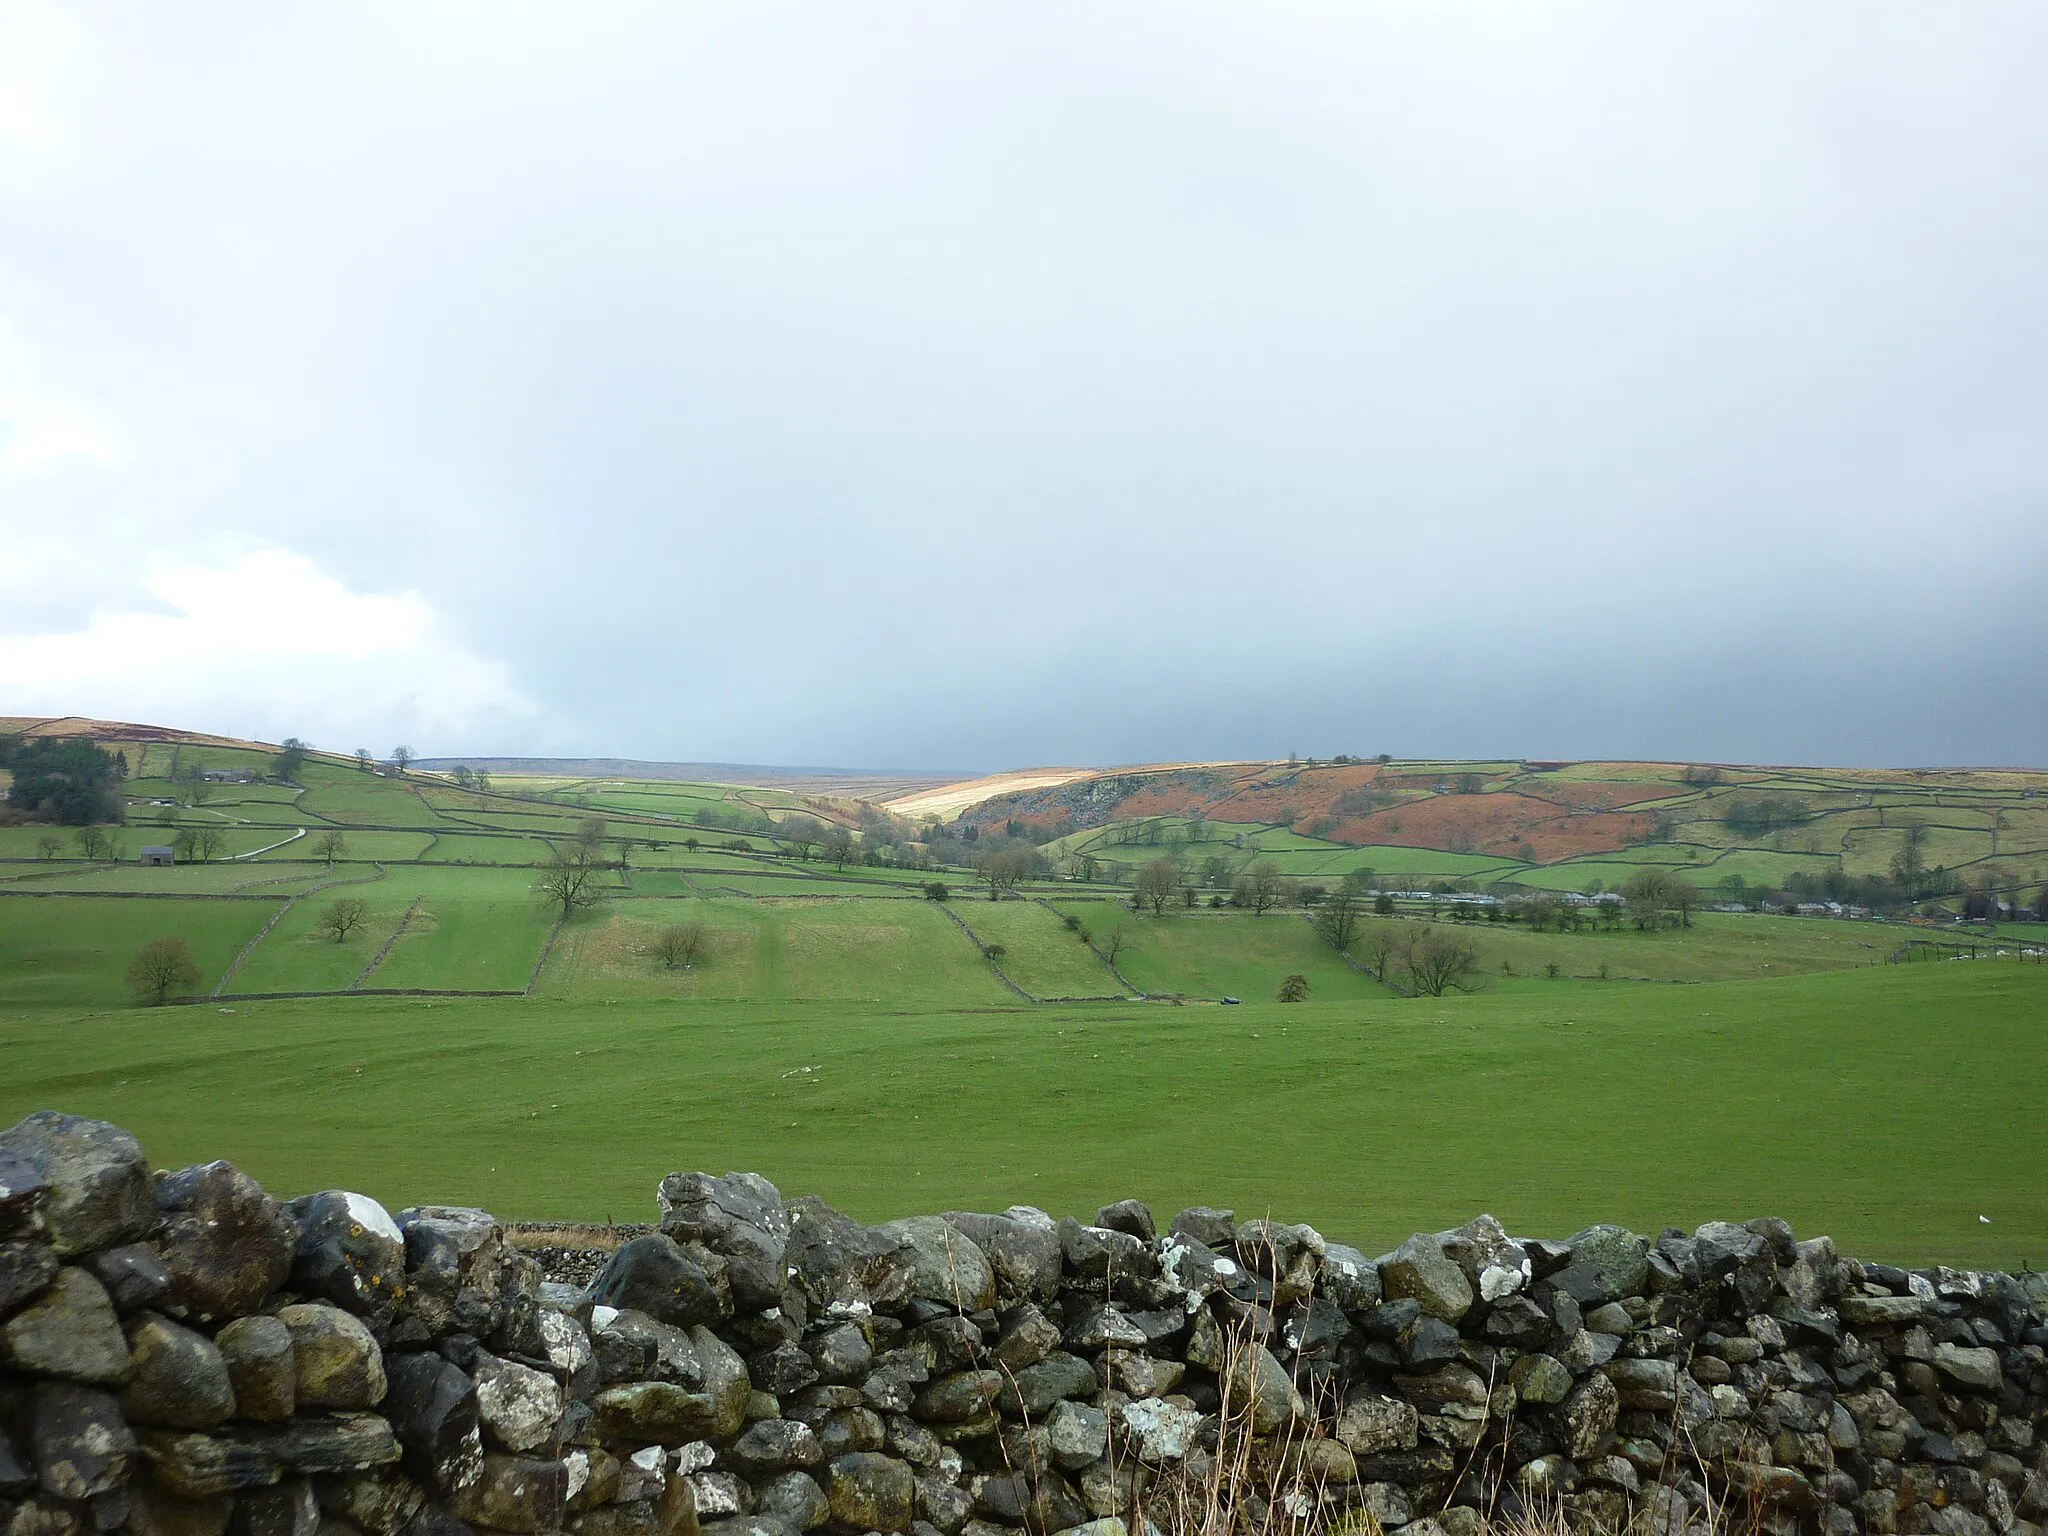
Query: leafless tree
[(49, 845), (161, 967), (1259, 887), (1114, 943), (837, 845), (802, 834), (200, 845), (1439, 959), (1155, 883), (342, 918), (365, 758), (1340, 919), (1004, 869), (329, 846), (1381, 943), (401, 759), (682, 945), (92, 843), (571, 881)]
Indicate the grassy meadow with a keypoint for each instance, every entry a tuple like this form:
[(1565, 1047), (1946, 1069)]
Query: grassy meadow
[(1892, 1107)]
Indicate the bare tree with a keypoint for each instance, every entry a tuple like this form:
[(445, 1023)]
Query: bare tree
[(1114, 943), (1382, 942), (802, 834), (1651, 893), (1259, 887), (401, 759), (49, 845), (1341, 918), (1155, 883), (344, 917), (1439, 959), (1909, 864), (1004, 869), (682, 945), (199, 845), (365, 758), (837, 846), (92, 843), (161, 967), (571, 881), (329, 846)]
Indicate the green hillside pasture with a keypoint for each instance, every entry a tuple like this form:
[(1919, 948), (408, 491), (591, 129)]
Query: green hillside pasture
[(363, 847), (800, 882), (1394, 859), (360, 800), (485, 848), (1816, 1099), (71, 951), (1718, 947), (476, 929), (295, 957), (20, 842), (42, 874), (1869, 850), (1040, 954), (902, 953), (1222, 954), (218, 879)]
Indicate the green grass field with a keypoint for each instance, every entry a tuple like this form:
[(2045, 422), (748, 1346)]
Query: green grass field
[(1040, 954), (903, 953), (1831, 1100), (69, 952), (1219, 954)]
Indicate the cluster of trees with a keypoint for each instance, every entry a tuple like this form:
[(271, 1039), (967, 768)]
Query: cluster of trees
[(1430, 959), (477, 779), (1755, 816), (63, 779)]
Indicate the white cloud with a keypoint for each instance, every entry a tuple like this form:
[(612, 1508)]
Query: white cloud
[(41, 427), (261, 642), (43, 59)]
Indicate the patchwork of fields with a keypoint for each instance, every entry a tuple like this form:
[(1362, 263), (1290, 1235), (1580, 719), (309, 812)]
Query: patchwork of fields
[(845, 1034)]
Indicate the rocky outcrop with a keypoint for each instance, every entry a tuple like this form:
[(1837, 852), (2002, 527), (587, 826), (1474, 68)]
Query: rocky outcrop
[(183, 1355)]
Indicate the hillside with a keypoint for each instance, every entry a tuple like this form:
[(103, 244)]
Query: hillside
[(1565, 826)]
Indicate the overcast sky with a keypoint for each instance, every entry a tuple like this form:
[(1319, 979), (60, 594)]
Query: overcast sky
[(974, 385)]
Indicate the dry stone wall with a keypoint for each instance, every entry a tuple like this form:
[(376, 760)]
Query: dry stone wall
[(181, 1354)]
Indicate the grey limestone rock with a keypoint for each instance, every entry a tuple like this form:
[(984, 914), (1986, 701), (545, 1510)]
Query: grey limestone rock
[(652, 1274), (82, 1444), (1420, 1270), (96, 1190), (224, 1243), (517, 1406), (1607, 1263), (261, 1368), (69, 1331), (180, 1379), (870, 1492), (338, 1362), (946, 1265), (795, 1499)]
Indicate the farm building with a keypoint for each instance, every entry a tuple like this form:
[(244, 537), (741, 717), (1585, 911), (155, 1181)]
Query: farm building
[(158, 853)]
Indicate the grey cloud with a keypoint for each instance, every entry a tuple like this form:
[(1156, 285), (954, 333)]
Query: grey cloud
[(975, 386)]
